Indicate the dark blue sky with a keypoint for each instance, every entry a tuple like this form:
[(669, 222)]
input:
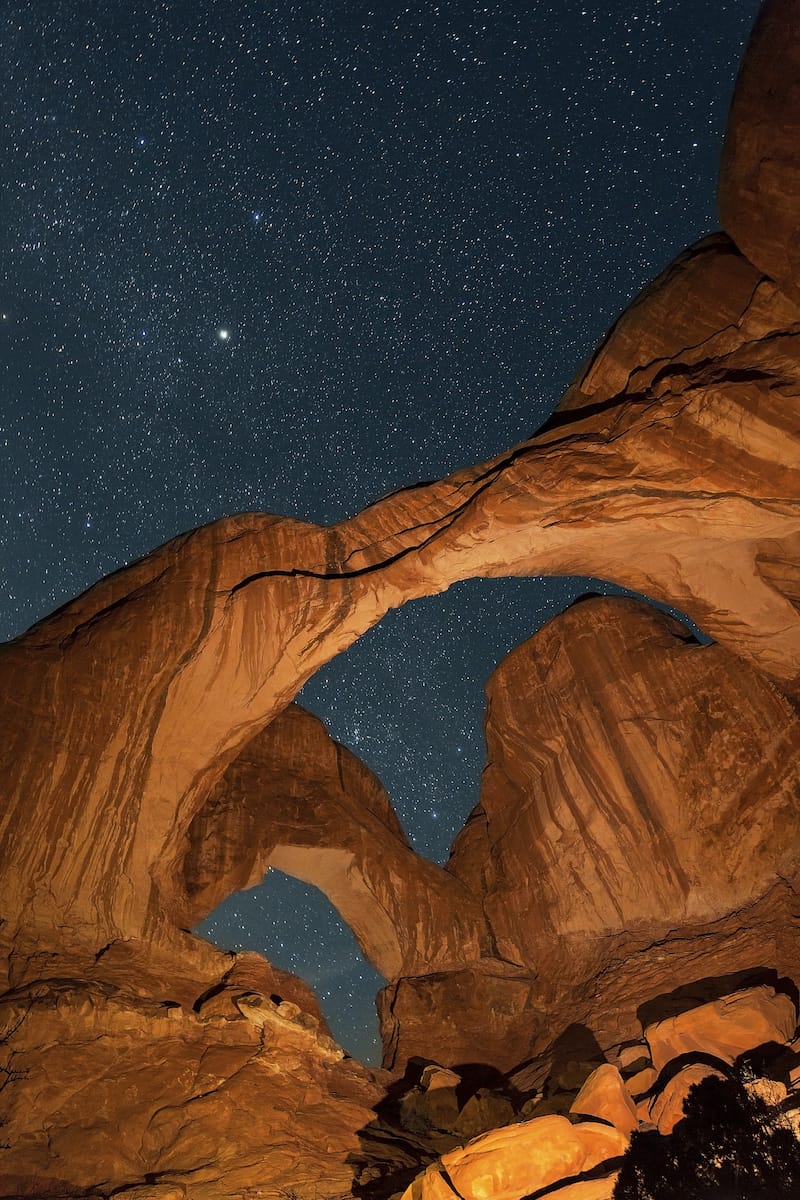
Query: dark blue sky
[(412, 222)]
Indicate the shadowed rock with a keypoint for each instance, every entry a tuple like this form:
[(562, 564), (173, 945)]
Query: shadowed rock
[(759, 195)]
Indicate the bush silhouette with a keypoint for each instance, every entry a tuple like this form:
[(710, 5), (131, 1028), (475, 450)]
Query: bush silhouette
[(729, 1146)]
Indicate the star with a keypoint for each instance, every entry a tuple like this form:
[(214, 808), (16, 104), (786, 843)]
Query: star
[(223, 334)]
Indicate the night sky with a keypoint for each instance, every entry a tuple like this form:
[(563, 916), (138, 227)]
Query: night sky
[(288, 257)]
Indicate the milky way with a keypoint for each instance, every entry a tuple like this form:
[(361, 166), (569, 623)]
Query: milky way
[(289, 257)]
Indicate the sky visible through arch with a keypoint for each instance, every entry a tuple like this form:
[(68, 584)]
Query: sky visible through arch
[(291, 256)]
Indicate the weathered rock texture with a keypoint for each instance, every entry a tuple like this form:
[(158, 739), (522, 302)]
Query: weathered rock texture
[(109, 1086), (516, 1161), (640, 799), (123, 710), (759, 195), (296, 800), (637, 826), (551, 1155), (647, 752)]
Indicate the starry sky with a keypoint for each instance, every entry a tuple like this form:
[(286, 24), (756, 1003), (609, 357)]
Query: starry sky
[(291, 256)]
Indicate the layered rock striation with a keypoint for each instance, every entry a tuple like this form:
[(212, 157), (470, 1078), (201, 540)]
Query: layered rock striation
[(296, 800), (637, 824), (640, 799)]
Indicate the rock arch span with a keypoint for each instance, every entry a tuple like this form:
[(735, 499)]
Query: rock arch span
[(672, 467), (296, 800)]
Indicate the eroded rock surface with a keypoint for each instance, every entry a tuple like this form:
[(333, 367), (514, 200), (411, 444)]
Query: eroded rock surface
[(637, 826), (296, 800), (760, 174), (686, 486), (634, 776), (162, 1079), (641, 792)]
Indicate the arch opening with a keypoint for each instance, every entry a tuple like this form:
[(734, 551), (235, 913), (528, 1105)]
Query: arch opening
[(408, 698), (268, 919), (419, 727)]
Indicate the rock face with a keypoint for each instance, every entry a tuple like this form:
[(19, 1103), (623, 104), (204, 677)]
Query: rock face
[(654, 793), (637, 826), (132, 1081), (648, 750), (759, 195), (686, 486)]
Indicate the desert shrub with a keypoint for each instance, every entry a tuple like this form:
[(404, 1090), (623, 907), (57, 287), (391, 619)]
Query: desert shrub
[(730, 1145)]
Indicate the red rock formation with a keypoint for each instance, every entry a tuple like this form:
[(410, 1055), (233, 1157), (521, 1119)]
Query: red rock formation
[(133, 747), (296, 800), (110, 1088), (604, 1095), (641, 792), (725, 1028), (122, 710), (545, 1153), (517, 1160), (759, 195), (656, 782)]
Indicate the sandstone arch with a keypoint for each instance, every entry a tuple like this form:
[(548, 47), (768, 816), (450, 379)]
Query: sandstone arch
[(672, 467), (296, 800), (684, 485)]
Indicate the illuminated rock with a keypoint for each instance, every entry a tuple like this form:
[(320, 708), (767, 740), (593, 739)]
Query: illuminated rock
[(666, 1108), (604, 1095), (517, 1160), (726, 1027), (133, 748), (296, 800)]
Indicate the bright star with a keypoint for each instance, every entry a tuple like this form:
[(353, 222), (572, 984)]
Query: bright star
[(223, 334)]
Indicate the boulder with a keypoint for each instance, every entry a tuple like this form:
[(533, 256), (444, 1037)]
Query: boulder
[(586, 1189), (510, 1163), (641, 1082), (604, 1095), (422, 1111), (724, 1028), (633, 1057), (666, 1108), (483, 1111), (434, 1077)]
